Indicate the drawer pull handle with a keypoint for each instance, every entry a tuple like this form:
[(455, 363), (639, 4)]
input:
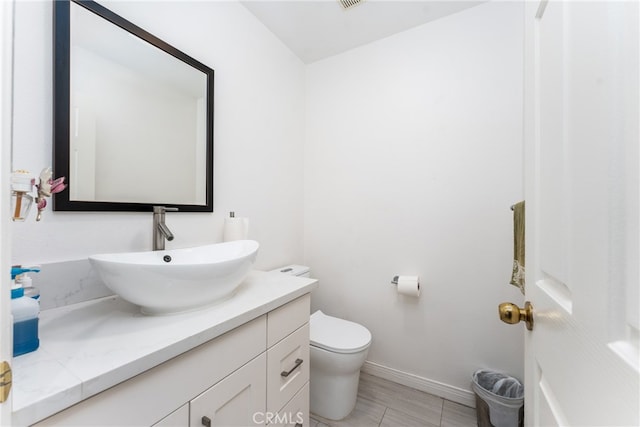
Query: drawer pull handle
[(298, 425), (296, 365), (206, 421)]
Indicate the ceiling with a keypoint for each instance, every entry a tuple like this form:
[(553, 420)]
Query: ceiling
[(317, 29)]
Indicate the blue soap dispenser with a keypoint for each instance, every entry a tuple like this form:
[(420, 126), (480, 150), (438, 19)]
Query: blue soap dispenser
[(25, 312)]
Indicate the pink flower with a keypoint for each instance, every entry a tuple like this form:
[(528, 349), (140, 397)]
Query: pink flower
[(48, 185), (46, 188), (57, 185), (42, 203)]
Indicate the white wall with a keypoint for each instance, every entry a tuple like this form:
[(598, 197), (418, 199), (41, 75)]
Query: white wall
[(412, 160), (259, 128)]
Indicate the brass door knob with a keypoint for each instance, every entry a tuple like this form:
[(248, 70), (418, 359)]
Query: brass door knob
[(510, 313)]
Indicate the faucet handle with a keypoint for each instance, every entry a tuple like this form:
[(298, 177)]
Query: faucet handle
[(163, 209)]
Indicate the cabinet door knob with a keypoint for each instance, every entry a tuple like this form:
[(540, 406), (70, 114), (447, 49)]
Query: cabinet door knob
[(297, 363), (206, 421)]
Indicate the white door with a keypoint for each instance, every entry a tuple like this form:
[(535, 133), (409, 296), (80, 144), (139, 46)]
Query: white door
[(581, 166), (237, 400), (6, 56)]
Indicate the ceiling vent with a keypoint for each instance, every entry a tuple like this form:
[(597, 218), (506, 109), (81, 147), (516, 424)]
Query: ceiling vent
[(348, 4)]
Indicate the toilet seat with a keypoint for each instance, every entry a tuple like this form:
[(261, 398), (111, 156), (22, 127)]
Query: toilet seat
[(337, 335)]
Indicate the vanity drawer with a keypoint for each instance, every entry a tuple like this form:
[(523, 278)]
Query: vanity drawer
[(286, 319), (287, 368), (296, 412)]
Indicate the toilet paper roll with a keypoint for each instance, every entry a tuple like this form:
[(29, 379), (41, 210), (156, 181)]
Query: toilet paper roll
[(409, 285), (235, 229)]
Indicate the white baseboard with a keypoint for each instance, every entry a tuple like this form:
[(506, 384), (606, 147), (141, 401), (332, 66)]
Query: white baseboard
[(436, 388)]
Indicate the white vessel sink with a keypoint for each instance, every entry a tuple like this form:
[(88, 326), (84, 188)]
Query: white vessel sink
[(177, 280)]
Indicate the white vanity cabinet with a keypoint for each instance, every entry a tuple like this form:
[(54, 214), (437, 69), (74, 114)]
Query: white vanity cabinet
[(260, 391), (252, 375)]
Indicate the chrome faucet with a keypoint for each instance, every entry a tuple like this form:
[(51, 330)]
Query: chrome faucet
[(160, 229)]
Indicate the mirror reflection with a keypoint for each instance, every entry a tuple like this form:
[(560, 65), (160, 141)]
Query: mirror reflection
[(139, 118)]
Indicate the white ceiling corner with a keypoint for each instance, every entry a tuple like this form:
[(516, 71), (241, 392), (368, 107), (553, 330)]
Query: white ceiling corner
[(317, 29)]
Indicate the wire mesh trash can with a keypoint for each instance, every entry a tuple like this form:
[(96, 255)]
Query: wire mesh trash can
[(499, 399)]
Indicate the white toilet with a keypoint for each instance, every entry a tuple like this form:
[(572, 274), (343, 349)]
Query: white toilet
[(338, 350)]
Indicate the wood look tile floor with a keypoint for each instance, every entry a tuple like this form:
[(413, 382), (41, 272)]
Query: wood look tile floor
[(387, 404)]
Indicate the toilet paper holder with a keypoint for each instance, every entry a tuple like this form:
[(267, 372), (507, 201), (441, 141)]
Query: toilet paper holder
[(395, 280), (407, 285)]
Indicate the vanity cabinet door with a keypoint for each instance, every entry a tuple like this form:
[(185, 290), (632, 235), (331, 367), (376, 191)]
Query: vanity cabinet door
[(237, 400)]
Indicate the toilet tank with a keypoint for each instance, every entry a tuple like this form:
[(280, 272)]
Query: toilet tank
[(294, 270)]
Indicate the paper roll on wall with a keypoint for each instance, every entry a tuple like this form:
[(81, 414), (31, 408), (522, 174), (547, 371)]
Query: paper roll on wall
[(235, 229), (409, 285)]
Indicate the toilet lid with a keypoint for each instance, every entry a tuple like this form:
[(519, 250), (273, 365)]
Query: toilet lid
[(337, 335)]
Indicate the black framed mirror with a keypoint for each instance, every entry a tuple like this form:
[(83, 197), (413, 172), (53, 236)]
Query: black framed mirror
[(132, 116)]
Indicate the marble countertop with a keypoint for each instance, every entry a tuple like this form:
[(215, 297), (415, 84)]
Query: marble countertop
[(88, 347)]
